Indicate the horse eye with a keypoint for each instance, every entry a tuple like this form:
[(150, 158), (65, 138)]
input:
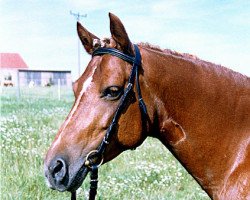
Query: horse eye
[(112, 93)]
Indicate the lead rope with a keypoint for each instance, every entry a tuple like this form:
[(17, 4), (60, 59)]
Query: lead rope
[(93, 184), (73, 195)]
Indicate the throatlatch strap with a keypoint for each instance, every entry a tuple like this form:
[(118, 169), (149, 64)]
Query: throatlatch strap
[(142, 105)]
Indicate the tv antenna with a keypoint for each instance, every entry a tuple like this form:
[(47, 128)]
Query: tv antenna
[(78, 16)]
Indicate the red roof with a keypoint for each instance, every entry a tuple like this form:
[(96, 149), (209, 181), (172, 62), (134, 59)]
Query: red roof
[(12, 60)]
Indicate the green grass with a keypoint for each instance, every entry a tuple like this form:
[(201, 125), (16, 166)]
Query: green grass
[(28, 126)]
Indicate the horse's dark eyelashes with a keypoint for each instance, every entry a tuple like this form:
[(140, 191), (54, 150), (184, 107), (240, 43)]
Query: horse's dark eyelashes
[(112, 93)]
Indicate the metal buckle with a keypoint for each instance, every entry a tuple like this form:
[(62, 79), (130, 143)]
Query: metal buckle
[(87, 162)]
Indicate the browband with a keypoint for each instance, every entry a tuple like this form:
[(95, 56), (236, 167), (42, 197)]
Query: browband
[(114, 52)]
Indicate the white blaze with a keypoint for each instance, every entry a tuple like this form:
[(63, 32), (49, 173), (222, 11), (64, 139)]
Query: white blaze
[(85, 87)]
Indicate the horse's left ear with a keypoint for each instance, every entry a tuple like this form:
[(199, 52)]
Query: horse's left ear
[(120, 35)]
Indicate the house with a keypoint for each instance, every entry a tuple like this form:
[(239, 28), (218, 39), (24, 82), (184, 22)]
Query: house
[(10, 63), (15, 71)]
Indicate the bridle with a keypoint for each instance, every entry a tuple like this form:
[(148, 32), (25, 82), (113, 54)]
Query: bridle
[(125, 100), (97, 155)]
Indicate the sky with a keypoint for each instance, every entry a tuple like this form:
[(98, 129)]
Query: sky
[(44, 32)]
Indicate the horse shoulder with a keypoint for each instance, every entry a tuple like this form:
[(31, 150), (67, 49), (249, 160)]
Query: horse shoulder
[(237, 183)]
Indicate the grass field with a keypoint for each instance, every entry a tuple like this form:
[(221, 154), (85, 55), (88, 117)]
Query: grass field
[(28, 126)]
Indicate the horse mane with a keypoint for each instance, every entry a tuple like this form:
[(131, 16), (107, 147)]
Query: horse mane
[(219, 69), (168, 51), (174, 53), (106, 43)]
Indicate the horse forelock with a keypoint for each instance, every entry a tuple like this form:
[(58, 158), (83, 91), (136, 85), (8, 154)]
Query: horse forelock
[(104, 43)]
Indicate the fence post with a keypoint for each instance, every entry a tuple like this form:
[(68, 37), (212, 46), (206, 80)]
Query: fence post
[(59, 89), (18, 85)]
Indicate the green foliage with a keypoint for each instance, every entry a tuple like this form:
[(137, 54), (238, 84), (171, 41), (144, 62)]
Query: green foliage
[(28, 126)]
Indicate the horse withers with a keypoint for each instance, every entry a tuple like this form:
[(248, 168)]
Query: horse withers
[(200, 111)]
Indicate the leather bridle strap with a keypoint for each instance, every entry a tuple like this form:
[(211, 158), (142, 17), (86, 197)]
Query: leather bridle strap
[(124, 102), (136, 61)]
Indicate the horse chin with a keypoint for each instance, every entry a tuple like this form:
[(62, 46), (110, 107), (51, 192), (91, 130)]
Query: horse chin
[(77, 180)]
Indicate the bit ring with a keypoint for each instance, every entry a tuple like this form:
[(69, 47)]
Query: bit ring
[(87, 162)]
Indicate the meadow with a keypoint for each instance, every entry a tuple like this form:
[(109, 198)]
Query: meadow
[(27, 128)]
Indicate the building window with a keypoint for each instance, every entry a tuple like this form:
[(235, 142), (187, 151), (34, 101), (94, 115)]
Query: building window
[(8, 77), (59, 76), (33, 76)]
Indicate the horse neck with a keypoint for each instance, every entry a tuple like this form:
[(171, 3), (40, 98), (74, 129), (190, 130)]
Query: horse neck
[(199, 110)]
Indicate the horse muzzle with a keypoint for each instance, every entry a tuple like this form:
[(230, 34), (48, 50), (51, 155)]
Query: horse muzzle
[(62, 177)]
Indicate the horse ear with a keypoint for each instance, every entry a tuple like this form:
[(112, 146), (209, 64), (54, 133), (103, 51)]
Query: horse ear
[(119, 34), (86, 38)]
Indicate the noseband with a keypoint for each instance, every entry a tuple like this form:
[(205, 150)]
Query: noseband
[(97, 155)]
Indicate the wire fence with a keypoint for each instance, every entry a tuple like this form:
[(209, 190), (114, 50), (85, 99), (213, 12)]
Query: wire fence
[(53, 92)]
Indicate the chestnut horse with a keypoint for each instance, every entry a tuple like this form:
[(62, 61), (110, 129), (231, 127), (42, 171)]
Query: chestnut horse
[(200, 111)]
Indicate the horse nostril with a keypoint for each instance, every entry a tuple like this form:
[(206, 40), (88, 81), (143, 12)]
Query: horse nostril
[(58, 170), (58, 166)]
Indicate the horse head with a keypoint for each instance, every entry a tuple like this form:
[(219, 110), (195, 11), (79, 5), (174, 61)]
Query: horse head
[(200, 113), (98, 93)]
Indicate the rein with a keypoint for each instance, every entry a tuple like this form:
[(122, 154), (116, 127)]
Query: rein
[(124, 102)]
